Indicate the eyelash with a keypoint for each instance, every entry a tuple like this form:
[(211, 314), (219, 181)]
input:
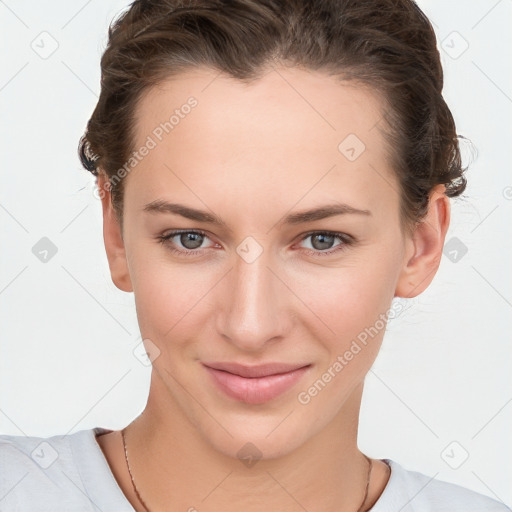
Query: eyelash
[(344, 238)]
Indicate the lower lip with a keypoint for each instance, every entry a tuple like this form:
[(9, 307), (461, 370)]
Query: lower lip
[(256, 390)]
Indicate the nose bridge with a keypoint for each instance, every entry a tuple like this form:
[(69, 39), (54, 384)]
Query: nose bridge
[(252, 311)]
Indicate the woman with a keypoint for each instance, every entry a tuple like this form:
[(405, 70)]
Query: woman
[(272, 174)]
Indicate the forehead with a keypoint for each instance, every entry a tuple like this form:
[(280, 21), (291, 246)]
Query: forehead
[(291, 129), (276, 101)]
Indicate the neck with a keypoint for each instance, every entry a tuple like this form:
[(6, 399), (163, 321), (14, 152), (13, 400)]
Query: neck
[(174, 468)]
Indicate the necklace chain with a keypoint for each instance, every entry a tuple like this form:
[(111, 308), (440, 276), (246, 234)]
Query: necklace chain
[(130, 471), (139, 497)]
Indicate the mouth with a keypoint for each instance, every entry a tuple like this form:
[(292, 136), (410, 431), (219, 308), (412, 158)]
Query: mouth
[(255, 384)]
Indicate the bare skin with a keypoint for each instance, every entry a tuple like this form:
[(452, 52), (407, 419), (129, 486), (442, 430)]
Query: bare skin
[(112, 447), (251, 155)]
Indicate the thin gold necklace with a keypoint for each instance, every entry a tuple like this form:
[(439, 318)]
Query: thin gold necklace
[(139, 497)]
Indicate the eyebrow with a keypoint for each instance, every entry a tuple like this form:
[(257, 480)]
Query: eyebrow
[(321, 212)]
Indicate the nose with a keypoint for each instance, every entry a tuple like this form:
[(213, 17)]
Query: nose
[(254, 305)]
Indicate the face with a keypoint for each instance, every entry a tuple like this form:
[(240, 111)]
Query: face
[(247, 279)]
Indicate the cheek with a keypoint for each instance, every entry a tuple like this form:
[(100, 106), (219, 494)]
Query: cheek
[(168, 297), (351, 298), (354, 305)]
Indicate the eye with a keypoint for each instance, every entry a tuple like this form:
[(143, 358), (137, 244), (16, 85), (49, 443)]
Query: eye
[(184, 242), (189, 242), (323, 242)]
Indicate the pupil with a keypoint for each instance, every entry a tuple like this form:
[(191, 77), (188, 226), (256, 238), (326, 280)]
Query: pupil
[(325, 241), (194, 240), (191, 240)]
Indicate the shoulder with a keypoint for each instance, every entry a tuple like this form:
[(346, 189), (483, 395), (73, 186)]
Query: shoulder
[(412, 491), (41, 473)]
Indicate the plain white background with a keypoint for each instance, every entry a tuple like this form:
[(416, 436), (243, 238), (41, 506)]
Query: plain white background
[(437, 400)]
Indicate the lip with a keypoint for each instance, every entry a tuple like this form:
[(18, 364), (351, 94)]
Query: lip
[(255, 384)]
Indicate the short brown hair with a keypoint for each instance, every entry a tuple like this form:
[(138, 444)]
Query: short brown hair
[(388, 45)]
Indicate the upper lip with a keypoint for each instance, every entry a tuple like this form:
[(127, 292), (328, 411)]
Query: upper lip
[(262, 370)]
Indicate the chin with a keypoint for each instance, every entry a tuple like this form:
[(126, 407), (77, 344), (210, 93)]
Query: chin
[(249, 450), (259, 437)]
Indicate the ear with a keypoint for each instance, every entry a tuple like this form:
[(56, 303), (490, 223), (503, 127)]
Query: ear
[(114, 244), (424, 248)]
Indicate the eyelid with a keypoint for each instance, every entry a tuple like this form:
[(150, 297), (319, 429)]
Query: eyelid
[(343, 236), (166, 238), (346, 240)]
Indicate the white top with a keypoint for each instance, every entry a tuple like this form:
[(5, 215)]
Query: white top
[(69, 473)]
